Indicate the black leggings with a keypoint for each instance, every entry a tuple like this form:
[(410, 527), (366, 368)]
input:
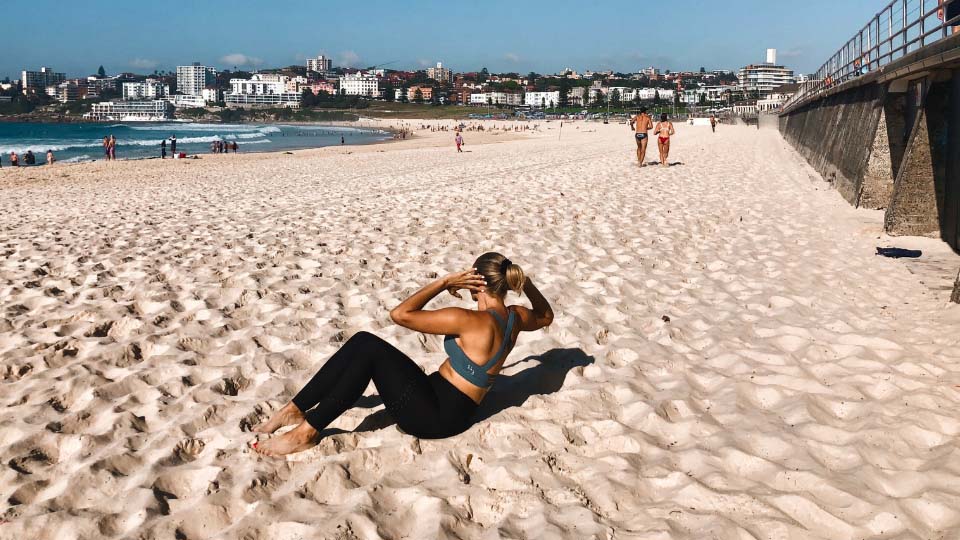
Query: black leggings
[(424, 406)]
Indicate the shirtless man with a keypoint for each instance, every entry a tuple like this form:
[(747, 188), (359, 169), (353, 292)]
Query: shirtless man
[(664, 130), (642, 124)]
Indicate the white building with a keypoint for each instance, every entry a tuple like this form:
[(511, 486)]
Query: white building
[(38, 81), (262, 90), (131, 111), (761, 79), (283, 99), (297, 84), (149, 89), (542, 99), (711, 94), (191, 80), (259, 84), (651, 94), (440, 73), (185, 101), (360, 84), (479, 98), (211, 95), (320, 64)]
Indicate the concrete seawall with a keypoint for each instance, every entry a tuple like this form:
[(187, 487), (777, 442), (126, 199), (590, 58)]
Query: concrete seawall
[(837, 136), (891, 144)]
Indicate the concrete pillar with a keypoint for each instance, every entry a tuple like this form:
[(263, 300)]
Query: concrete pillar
[(876, 188), (916, 205), (951, 199), (955, 297)]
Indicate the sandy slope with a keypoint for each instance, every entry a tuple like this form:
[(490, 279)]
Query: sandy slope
[(729, 358)]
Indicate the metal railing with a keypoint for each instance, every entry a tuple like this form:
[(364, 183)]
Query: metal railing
[(900, 28)]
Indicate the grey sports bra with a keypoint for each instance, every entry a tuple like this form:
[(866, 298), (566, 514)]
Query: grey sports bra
[(473, 373)]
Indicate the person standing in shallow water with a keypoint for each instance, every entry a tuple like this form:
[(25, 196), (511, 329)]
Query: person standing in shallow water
[(433, 406)]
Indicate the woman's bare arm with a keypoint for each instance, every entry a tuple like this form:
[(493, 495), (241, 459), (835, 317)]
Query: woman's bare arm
[(410, 313), (540, 315)]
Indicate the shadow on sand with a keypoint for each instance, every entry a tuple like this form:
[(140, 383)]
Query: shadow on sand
[(546, 375)]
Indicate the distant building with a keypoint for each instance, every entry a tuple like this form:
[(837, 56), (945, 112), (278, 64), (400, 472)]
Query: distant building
[(211, 94), (149, 89), (510, 99), (297, 84), (360, 84), (37, 81), (712, 94), (185, 101), (324, 87), (144, 111), (542, 99), (68, 91), (761, 79), (98, 85), (262, 90), (426, 93), (440, 73), (320, 64), (191, 80), (259, 83), (246, 101), (777, 98), (651, 72)]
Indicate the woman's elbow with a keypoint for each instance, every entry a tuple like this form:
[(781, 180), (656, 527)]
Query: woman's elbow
[(397, 316), (547, 319)]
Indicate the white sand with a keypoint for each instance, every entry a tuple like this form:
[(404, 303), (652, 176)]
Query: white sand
[(150, 312)]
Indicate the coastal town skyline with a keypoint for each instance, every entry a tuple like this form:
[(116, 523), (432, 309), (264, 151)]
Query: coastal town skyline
[(619, 37)]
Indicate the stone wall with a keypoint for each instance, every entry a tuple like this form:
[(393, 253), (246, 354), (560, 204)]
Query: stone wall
[(838, 134)]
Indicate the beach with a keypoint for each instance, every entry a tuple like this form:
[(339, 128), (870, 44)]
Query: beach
[(730, 358)]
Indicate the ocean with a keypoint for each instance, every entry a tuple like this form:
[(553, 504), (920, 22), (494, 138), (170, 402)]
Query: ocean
[(84, 142)]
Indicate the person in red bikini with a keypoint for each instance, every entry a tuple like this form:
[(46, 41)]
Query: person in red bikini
[(664, 130)]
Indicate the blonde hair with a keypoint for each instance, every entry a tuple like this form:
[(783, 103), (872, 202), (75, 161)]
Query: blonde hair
[(500, 273)]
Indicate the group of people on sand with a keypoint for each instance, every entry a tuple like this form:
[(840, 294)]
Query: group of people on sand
[(641, 124), (29, 158), (223, 147), (173, 147), (110, 148)]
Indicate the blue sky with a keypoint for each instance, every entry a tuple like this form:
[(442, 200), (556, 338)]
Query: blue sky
[(522, 36)]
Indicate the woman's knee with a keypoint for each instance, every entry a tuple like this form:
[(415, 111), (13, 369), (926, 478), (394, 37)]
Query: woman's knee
[(367, 342)]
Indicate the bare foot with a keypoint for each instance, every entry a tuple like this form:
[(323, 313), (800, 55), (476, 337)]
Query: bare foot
[(287, 416), (298, 439)]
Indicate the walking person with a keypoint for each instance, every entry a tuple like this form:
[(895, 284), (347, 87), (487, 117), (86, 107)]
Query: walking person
[(664, 130), (459, 140), (713, 123), (642, 124), (433, 406), (113, 148), (235, 147), (163, 149), (14, 159), (173, 145), (29, 158), (50, 158)]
